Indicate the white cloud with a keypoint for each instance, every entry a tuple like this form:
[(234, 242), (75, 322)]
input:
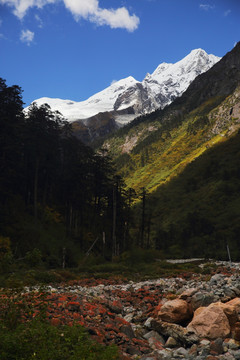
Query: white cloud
[(206, 7), (86, 9), (27, 36), (82, 8), (227, 12), (113, 82), (119, 18), (20, 7), (39, 20)]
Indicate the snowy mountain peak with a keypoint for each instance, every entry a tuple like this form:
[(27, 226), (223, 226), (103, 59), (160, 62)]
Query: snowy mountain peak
[(198, 51), (133, 97)]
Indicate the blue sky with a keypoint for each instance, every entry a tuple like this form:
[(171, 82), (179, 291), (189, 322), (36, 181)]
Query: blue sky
[(71, 49)]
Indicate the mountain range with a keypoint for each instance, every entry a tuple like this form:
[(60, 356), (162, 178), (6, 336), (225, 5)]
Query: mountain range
[(128, 98), (170, 179), (183, 162), (154, 147)]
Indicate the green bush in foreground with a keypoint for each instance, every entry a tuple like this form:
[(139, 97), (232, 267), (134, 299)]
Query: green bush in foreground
[(41, 341)]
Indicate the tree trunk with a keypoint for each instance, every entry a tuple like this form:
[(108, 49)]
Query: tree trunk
[(35, 192), (114, 239)]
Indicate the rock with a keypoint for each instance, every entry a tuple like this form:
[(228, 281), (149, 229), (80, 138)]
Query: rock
[(165, 354), (229, 311), (175, 311), (233, 344), (180, 352), (127, 330), (132, 350), (228, 356), (203, 352), (235, 354), (180, 334), (235, 303), (171, 343), (129, 317), (216, 347), (147, 323), (210, 322), (236, 331), (201, 299), (154, 334), (204, 342), (193, 351), (188, 293), (228, 293), (217, 279)]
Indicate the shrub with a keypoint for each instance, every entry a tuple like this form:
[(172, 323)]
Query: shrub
[(26, 334), (33, 258), (41, 341)]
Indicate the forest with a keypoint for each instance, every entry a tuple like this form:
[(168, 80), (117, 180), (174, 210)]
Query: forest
[(62, 201), (58, 197)]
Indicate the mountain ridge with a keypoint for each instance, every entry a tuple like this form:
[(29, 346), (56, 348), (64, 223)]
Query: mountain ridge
[(134, 97), (155, 147)]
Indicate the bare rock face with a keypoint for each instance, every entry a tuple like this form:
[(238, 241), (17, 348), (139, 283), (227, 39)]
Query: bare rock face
[(210, 322), (175, 311)]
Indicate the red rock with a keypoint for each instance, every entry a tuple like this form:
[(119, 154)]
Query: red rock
[(175, 311), (236, 331), (229, 311), (235, 303), (210, 322)]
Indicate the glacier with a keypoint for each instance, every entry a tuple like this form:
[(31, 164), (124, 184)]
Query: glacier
[(129, 98)]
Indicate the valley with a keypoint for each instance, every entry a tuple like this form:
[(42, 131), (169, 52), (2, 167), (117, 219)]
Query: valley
[(119, 180)]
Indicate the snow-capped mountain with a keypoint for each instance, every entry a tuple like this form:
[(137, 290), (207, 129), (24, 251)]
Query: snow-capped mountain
[(128, 98), (101, 102)]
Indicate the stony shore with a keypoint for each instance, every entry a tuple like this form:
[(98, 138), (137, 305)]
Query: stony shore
[(157, 319)]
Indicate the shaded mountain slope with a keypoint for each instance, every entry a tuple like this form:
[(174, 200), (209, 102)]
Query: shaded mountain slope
[(198, 212)]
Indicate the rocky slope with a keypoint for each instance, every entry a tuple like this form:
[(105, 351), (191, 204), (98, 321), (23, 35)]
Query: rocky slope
[(155, 319)]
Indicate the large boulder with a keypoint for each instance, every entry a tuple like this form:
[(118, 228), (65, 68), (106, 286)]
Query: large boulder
[(175, 311), (210, 322), (229, 310), (235, 303)]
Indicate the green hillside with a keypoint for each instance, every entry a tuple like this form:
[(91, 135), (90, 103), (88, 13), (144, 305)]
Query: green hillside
[(162, 150), (184, 164), (156, 147), (198, 212)]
